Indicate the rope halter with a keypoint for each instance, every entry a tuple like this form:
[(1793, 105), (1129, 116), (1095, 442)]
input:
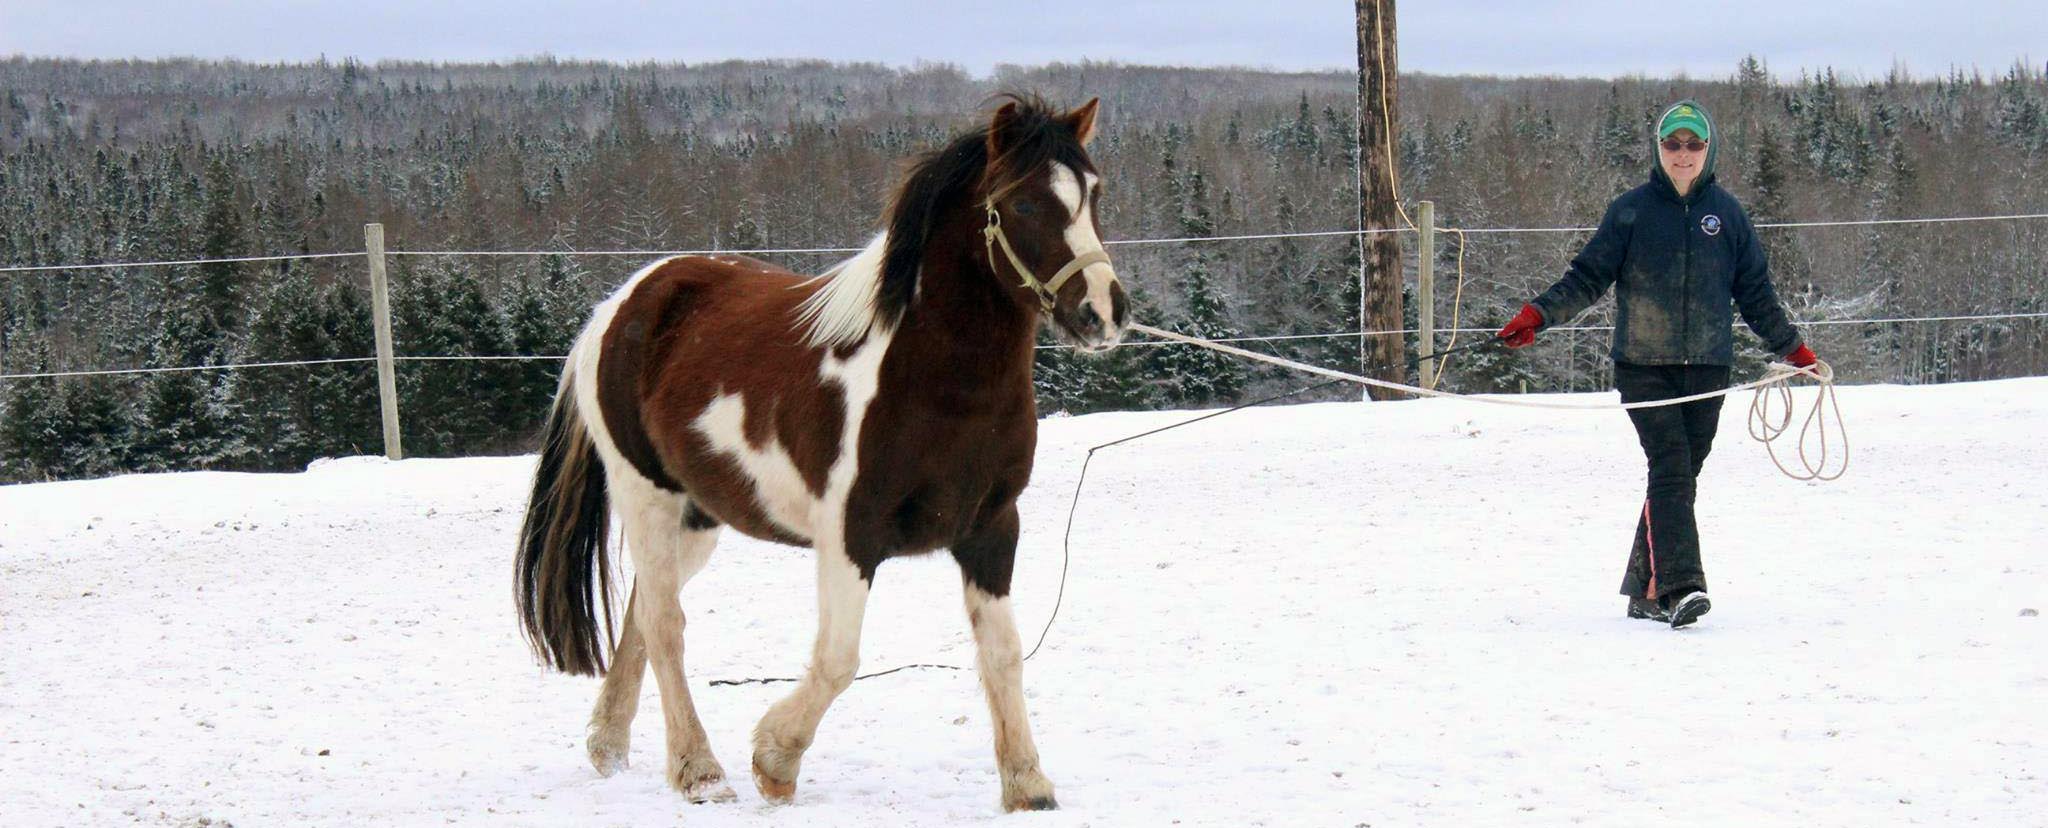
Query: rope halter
[(1048, 290)]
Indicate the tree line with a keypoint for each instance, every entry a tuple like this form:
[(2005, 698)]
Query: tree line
[(173, 160)]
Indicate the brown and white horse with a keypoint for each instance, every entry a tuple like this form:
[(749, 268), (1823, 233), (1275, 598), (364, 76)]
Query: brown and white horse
[(884, 408)]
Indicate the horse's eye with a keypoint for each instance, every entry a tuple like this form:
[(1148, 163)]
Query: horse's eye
[(1022, 207)]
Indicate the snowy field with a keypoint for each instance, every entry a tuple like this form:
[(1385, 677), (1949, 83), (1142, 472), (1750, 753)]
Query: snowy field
[(1339, 614)]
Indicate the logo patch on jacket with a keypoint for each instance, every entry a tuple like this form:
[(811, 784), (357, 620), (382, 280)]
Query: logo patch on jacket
[(1710, 224)]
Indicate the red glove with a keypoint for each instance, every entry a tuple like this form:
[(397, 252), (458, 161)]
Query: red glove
[(1522, 329), (1802, 358)]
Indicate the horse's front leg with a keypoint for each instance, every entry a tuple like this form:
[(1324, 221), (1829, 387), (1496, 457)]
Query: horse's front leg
[(786, 731), (986, 559)]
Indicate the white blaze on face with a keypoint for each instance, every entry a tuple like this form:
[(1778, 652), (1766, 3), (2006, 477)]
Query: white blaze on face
[(1073, 191)]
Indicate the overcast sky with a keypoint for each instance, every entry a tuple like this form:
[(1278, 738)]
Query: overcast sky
[(1601, 38)]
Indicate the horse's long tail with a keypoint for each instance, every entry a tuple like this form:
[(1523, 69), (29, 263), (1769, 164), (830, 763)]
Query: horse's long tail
[(564, 577)]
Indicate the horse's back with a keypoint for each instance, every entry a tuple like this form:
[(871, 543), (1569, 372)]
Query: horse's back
[(732, 289)]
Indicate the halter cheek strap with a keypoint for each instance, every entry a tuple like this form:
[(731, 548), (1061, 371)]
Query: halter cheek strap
[(1048, 290)]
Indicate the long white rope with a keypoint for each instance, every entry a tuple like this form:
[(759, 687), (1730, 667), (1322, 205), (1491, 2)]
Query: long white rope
[(1777, 374)]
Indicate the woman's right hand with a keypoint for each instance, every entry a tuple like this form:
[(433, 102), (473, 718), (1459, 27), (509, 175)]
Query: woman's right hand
[(1522, 329)]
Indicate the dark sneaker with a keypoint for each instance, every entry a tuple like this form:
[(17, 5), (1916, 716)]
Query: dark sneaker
[(1647, 608), (1688, 608)]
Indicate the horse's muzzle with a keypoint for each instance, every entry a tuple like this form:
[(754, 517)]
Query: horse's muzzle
[(1095, 319)]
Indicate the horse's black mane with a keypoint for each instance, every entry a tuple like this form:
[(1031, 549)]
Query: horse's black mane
[(1033, 137)]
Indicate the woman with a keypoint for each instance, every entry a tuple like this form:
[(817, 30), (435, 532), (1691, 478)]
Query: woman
[(1678, 250)]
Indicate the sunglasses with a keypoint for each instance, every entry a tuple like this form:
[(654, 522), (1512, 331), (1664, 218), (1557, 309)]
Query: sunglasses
[(1674, 145)]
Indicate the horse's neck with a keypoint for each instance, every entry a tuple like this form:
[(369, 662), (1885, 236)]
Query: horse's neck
[(964, 312)]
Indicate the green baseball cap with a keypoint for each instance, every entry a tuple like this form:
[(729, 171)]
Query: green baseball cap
[(1685, 115)]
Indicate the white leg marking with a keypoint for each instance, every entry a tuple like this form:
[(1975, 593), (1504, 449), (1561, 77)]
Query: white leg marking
[(1002, 680), (665, 556), (786, 731), (789, 726), (610, 734), (653, 627)]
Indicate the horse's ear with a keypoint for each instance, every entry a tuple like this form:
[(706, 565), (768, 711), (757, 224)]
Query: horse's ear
[(998, 125), (1083, 120)]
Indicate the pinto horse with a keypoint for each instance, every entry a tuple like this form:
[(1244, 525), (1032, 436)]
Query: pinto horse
[(884, 408)]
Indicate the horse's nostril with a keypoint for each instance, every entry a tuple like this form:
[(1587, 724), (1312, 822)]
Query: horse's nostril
[(1090, 321)]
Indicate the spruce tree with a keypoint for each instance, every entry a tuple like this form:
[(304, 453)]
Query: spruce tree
[(452, 406), (32, 421), (534, 329), (98, 433), (1198, 376), (221, 284), (345, 417), (279, 400)]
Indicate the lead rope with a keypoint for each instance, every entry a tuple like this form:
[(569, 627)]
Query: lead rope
[(1762, 430), (1066, 540)]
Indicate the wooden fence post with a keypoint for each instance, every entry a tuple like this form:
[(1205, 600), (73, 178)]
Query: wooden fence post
[(380, 309), (1425, 291)]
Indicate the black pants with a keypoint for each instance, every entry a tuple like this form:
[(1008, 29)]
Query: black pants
[(1676, 438)]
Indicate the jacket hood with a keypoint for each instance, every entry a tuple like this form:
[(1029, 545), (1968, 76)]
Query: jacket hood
[(1713, 150)]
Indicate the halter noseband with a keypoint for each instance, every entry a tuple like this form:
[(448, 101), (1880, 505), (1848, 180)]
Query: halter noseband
[(1048, 291)]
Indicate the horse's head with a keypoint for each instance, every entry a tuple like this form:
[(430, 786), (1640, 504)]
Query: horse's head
[(1043, 234)]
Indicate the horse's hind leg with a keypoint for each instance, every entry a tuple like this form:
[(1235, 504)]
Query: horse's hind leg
[(786, 731), (986, 560), (667, 550), (611, 719)]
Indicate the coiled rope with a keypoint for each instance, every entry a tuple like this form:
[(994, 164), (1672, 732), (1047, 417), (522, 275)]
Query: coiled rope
[(1763, 430)]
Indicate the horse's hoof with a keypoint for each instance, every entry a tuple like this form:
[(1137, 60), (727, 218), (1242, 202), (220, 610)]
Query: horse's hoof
[(1036, 803), (699, 779), (773, 790), (1028, 790), (710, 790), (609, 765), (608, 756)]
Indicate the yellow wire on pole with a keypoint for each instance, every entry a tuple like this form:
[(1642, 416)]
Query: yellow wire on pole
[(1394, 185)]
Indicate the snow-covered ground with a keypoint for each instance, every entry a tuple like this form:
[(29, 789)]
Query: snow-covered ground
[(1338, 614)]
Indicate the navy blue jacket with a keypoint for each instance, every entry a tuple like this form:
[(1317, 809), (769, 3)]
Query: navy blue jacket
[(1677, 265)]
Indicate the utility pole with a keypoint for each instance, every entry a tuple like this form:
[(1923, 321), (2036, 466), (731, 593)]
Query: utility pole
[(1380, 357)]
